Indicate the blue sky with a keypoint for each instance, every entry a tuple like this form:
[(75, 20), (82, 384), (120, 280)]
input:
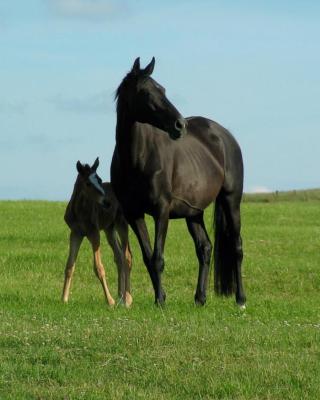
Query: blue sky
[(253, 66)]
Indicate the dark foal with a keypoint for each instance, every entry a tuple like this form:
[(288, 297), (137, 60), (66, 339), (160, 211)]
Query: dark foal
[(94, 207), (171, 167)]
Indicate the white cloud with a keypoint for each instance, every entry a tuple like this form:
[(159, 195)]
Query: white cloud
[(13, 107), (95, 10), (93, 104), (259, 189)]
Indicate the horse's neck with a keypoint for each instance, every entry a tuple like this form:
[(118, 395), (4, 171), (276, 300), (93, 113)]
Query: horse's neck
[(124, 136)]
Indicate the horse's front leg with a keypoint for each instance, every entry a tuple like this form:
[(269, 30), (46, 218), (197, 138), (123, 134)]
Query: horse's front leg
[(157, 261), (139, 227)]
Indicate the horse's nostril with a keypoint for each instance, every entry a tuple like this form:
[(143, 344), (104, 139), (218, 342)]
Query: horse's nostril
[(180, 124)]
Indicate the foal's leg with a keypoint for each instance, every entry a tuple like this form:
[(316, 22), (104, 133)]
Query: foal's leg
[(128, 257), (203, 249), (98, 266), (75, 242), (123, 231)]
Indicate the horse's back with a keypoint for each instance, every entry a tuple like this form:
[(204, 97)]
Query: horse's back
[(207, 130)]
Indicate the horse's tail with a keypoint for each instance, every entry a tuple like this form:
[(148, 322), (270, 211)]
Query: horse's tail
[(225, 258)]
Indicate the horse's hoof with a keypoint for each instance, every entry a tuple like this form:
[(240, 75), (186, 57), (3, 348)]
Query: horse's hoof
[(242, 307), (161, 299), (160, 302), (200, 299)]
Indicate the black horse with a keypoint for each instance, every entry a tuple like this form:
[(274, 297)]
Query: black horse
[(171, 167)]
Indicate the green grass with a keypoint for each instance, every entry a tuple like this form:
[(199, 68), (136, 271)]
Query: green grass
[(85, 350)]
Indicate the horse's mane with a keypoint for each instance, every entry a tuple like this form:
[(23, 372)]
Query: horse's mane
[(118, 97)]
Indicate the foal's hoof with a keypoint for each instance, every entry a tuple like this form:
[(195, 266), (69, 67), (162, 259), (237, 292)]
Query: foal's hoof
[(242, 307), (111, 302), (199, 299), (128, 301)]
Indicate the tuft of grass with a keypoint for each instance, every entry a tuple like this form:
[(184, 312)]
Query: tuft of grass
[(85, 350)]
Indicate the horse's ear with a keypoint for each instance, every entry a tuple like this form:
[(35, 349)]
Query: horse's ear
[(149, 68), (95, 165), (80, 168), (136, 66)]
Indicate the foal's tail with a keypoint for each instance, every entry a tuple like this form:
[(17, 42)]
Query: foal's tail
[(225, 259)]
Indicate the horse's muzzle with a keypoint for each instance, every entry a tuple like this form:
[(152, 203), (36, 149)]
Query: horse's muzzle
[(180, 128)]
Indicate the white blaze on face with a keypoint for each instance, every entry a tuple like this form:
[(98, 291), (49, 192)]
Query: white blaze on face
[(94, 181)]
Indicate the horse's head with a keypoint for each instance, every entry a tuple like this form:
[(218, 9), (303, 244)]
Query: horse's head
[(91, 183), (145, 101)]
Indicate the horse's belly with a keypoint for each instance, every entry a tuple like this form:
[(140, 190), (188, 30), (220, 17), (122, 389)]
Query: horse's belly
[(196, 193)]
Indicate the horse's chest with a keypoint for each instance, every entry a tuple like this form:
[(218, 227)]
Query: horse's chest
[(140, 192)]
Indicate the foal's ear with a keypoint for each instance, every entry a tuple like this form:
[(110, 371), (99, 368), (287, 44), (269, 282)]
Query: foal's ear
[(95, 165), (136, 66), (149, 68), (80, 168)]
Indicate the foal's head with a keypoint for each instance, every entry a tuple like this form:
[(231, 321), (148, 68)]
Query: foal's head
[(90, 183), (144, 100)]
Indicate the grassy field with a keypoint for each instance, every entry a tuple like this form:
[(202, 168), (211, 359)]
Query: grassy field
[(85, 350)]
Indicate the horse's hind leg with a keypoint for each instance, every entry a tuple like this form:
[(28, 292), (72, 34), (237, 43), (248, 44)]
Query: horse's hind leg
[(203, 249), (75, 242), (231, 203), (98, 266)]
